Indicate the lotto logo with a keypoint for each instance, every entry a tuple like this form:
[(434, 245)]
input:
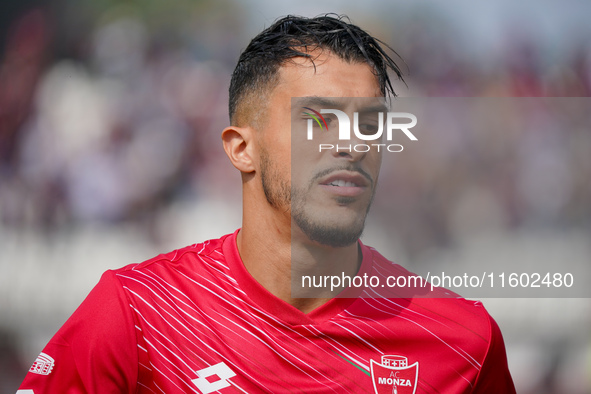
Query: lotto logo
[(213, 378), (43, 365)]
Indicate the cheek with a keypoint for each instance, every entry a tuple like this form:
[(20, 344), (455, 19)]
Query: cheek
[(300, 176), (303, 159), (374, 163)]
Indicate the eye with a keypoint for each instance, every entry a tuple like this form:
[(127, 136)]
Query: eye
[(370, 123), (317, 120), (316, 123), (368, 128)]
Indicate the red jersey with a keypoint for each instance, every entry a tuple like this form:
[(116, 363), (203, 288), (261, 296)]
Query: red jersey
[(195, 321)]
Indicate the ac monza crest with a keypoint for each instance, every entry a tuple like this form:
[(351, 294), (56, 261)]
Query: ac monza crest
[(394, 375)]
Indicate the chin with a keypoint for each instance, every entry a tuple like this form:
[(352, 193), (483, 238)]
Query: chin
[(330, 232)]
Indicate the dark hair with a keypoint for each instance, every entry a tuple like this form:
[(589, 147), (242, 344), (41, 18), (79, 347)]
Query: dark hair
[(293, 36)]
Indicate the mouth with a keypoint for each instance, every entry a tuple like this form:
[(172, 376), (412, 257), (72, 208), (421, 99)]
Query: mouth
[(345, 183), (342, 183)]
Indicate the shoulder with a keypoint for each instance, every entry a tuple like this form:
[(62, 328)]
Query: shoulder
[(95, 350), (401, 283), (194, 272), (445, 317), (194, 255)]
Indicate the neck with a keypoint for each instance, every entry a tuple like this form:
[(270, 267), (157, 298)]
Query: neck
[(274, 254)]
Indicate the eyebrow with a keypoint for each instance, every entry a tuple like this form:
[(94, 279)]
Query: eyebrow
[(336, 104), (319, 101), (374, 108)]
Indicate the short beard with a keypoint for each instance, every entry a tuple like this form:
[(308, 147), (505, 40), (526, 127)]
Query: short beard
[(277, 190), (336, 237)]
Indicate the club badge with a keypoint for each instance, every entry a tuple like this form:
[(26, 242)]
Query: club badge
[(394, 375)]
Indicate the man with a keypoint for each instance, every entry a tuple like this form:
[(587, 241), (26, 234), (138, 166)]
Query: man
[(220, 317)]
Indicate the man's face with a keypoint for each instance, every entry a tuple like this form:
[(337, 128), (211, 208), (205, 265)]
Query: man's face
[(327, 193)]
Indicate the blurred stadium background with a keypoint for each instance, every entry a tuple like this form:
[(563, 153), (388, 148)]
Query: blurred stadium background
[(110, 114)]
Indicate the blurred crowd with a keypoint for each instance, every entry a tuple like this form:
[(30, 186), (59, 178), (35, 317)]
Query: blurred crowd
[(488, 166), (110, 131), (110, 114)]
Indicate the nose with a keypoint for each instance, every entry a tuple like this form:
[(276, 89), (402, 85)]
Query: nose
[(346, 152), (353, 150)]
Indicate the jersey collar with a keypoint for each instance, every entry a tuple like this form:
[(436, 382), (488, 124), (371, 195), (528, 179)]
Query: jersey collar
[(276, 306)]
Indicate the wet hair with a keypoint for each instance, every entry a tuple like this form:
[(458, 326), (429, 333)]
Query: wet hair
[(295, 36)]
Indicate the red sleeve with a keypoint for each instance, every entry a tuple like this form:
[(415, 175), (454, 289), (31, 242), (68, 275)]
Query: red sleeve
[(95, 351), (494, 377)]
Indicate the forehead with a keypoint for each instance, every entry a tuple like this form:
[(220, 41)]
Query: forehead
[(327, 76)]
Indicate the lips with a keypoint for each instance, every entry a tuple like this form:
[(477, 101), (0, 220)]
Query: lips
[(345, 179), (345, 183)]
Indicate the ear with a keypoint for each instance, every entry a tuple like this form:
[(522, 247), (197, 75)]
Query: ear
[(239, 146)]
